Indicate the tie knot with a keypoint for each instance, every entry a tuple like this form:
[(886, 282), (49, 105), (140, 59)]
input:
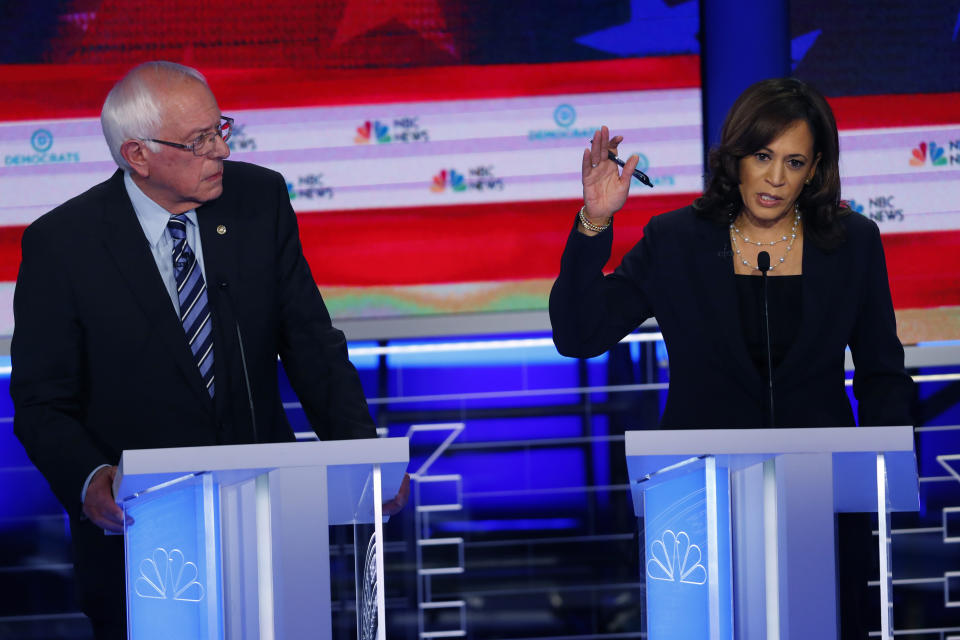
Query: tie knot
[(177, 225)]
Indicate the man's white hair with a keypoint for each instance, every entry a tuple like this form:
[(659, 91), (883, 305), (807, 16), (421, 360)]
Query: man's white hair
[(132, 109)]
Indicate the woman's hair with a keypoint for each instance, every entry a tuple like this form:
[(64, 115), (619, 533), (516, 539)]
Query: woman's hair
[(761, 113), (132, 110)]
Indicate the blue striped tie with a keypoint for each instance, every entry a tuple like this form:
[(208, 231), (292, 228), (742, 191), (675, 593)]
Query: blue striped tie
[(192, 291)]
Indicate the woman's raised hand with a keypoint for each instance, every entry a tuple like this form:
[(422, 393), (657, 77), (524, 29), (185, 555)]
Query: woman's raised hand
[(605, 186)]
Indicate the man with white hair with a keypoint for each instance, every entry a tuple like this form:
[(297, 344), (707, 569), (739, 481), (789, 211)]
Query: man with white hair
[(150, 311)]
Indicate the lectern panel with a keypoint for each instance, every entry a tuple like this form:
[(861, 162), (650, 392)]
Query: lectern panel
[(173, 572), (256, 519), (686, 584), (784, 524)]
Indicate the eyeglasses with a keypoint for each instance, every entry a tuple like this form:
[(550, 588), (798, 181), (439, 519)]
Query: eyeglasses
[(204, 143)]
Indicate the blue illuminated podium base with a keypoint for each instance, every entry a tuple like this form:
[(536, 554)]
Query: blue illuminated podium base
[(738, 525), (232, 542)]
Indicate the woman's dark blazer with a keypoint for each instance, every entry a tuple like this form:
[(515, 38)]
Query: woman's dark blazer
[(681, 272)]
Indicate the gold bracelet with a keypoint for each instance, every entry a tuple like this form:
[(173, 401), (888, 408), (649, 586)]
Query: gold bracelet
[(589, 226)]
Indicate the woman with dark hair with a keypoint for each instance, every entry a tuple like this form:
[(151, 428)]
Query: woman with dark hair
[(774, 187), (759, 115)]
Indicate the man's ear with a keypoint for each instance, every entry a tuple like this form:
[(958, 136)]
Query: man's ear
[(134, 152)]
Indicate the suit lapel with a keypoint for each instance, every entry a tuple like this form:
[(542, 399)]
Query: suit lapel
[(123, 239), (818, 292), (721, 309), (218, 233)]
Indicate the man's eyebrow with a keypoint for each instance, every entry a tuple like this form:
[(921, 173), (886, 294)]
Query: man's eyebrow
[(200, 130)]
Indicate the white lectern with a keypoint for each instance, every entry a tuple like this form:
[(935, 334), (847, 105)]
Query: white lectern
[(738, 524), (232, 542)]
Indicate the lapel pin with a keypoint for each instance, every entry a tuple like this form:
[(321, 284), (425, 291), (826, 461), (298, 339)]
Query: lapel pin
[(221, 229)]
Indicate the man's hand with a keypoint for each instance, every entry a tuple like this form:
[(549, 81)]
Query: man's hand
[(392, 507), (99, 505)]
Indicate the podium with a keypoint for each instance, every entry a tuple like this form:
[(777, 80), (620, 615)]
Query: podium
[(232, 542), (738, 525)]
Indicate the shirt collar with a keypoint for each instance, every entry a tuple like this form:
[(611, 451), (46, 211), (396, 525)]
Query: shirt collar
[(152, 217)]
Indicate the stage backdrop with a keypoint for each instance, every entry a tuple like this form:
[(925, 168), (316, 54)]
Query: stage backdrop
[(432, 148), (892, 72)]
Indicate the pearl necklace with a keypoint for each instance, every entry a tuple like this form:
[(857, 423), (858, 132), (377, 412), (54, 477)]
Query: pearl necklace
[(734, 232), (792, 236)]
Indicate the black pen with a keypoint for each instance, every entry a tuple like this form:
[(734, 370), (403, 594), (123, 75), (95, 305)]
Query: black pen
[(639, 175)]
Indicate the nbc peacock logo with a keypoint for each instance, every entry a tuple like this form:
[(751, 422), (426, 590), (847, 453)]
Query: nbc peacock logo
[(674, 558), (372, 131), (168, 576), (444, 178), (853, 205), (933, 151)]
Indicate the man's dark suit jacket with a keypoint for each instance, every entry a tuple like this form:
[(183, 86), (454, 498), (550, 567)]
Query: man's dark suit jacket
[(100, 360), (681, 271)]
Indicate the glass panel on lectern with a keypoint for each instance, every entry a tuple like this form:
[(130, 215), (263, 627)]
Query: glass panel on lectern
[(364, 549), (688, 590), (172, 562), (367, 582), (885, 539)]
